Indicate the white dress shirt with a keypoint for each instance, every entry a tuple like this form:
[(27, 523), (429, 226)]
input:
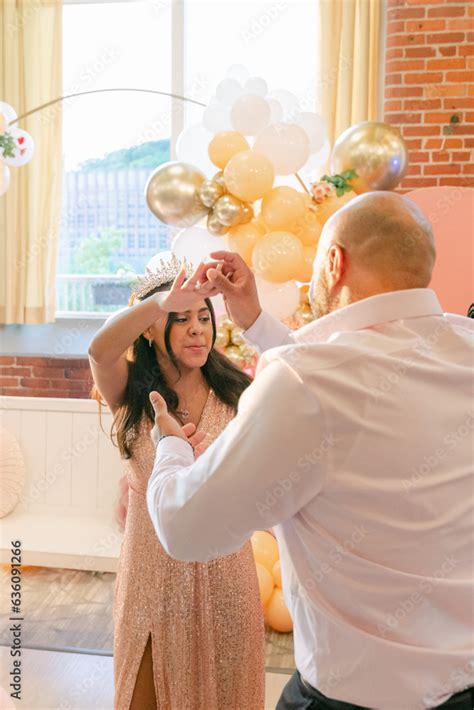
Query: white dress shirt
[(355, 444)]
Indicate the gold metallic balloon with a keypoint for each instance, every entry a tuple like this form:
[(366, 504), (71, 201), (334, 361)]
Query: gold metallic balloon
[(227, 324), (214, 226), (376, 151), (247, 213), (228, 210), (222, 337), (237, 337), (209, 192), (219, 178), (172, 194), (234, 354)]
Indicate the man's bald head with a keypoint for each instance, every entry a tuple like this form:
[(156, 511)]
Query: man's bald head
[(383, 243)]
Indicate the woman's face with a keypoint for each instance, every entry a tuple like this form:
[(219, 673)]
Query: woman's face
[(190, 336)]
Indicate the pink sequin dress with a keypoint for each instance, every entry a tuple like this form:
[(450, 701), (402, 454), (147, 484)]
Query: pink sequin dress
[(205, 619)]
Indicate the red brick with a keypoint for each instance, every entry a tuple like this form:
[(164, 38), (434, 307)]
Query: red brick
[(413, 143), (469, 142), (394, 53), (441, 157), (445, 38), (443, 143), (12, 392), (405, 13), (463, 181), (462, 156), (391, 79), (424, 2), (413, 169), (447, 50), (416, 182), (34, 382), (63, 362), (422, 131), (446, 11), (460, 25), (78, 374), (48, 372), (9, 381), (419, 156), (396, 26), (393, 92), (433, 143), (459, 76), (408, 65), (456, 104), (425, 78), (421, 104), (469, 116), (425, 25), (393, 105), (457, 63), (466, 50), (438, 117), (461, 130), (443, 90), (7, 360), (70, 385), (468, 168), (16, 371), (420, 52), (31, 361), (441, 169), (402, 118)]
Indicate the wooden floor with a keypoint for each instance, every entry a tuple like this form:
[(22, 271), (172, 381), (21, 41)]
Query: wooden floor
[(72, 610), (53, 680)]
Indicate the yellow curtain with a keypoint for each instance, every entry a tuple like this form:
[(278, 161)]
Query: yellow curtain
[(30, 75), (350, 62)]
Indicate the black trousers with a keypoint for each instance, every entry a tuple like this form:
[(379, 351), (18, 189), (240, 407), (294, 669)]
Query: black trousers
[(298, 696)]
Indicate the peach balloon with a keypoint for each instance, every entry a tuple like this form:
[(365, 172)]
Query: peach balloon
[(332, 204), (277, 614), (281, 207), (276, 572), (265, 583), (306, 272), (308, 228), (265, 549), (249, 176), (278, 257), (225, 145), (243, 237)]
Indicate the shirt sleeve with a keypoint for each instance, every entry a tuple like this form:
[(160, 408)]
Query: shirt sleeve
[(268, 332), (257, 473)]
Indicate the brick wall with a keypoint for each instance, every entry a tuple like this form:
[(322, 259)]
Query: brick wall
[(45, 377), (428, 80)]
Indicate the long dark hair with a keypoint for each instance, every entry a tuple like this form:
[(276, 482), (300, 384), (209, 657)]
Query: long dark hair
[(145, 375)]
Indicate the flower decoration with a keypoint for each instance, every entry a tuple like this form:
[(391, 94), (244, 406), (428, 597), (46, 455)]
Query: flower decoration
[(16, 145)]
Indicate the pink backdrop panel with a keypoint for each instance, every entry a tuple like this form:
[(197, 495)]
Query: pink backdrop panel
[(451, 212)]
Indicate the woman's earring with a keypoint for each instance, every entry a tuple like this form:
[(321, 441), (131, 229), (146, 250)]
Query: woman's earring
[(150, 343)]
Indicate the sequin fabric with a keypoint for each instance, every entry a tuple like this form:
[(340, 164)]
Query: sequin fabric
[(205, 619)]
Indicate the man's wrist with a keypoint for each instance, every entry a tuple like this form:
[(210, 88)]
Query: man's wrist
[(251, 319)]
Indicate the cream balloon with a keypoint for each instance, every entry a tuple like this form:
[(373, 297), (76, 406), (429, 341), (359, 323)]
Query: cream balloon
[(276, 111), (228, 210), (256, 85), (287, 100), (195, 244), (265, 549), (277, 614), (286, 145), (228, 90), (279, 300), (249, 175), (216, 117), (250, 114), (308, 227), (238, 72), (276, 573), (172, 194), (225, 145), (281, 207), (314, 127), (278, 256), (376, 151), (242, 239), (305, 274), (266, 583), (8, 112)]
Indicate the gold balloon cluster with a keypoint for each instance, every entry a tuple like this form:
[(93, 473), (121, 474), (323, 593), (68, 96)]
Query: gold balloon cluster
[(230, 341), (225, 210), (303, 313)]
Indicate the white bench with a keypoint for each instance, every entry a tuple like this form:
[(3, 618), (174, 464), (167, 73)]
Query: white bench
[(66, 514)]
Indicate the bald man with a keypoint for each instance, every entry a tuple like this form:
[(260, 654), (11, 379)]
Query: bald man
[(355, 444)]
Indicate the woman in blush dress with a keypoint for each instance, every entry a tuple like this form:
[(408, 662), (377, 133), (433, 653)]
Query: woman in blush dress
[(188, 636)]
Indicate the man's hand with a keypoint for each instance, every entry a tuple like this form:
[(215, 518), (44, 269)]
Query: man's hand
[(232, 277), (166, 424), (184, 294)]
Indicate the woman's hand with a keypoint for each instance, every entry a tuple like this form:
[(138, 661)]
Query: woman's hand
[(168, 426), (185, 293)]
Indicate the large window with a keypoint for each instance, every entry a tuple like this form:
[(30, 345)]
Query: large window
[(113, 141)]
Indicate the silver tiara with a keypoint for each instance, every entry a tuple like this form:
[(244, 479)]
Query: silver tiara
[(165, 272)]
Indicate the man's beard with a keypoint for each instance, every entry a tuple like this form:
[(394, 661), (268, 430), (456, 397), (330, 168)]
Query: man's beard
[(320, 301)]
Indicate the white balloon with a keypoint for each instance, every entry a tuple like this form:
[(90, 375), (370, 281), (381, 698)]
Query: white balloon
[(154, 262), (191, 147), (315, 129), (280, 300), (276, 111), (238, 72), (216, 117), (23, 151), (195, 244), (4, 179), (311, 169), (286, 145), (228, 90), (256, 85), (250, 114), (287, 100), (8, 112)]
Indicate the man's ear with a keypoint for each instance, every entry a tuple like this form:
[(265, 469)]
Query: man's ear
[(336, 264)]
